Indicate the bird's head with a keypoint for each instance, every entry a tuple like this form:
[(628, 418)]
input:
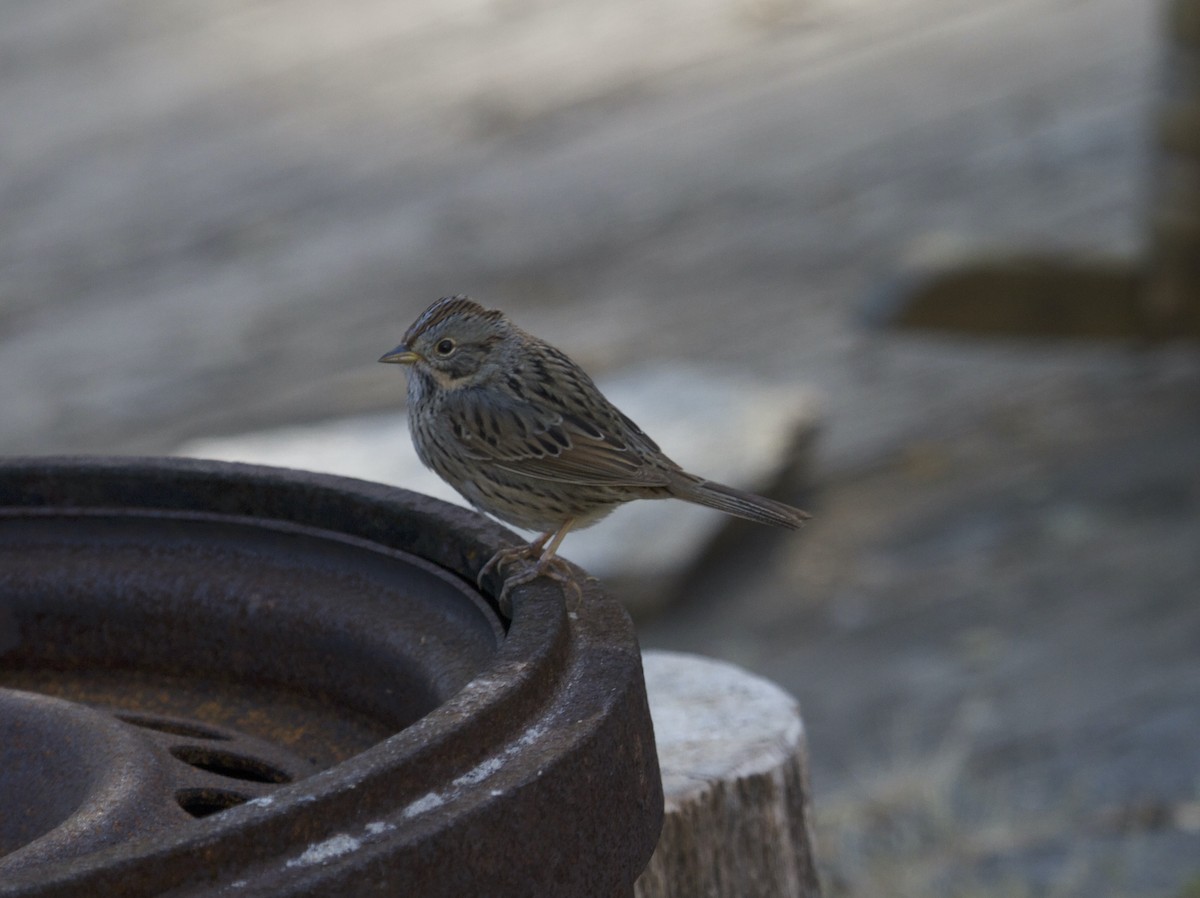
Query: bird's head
[(456, 342)]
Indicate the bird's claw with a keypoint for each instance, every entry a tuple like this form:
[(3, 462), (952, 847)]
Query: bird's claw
[(504, 556), (555, 568)]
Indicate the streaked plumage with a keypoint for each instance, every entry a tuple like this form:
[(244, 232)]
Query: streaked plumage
[(524, 434)]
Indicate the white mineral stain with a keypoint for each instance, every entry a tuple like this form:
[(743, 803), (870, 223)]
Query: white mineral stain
[(421, 805), (479, 773), (326, 851)]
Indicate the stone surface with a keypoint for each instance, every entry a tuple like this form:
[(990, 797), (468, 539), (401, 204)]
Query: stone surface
[(992, 633)]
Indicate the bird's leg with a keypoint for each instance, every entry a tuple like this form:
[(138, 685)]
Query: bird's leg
[(548, 564), (549, 556), (510, 554)]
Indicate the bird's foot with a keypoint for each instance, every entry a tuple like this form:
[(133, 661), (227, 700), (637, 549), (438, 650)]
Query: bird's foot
[(504, 557), (555, 568)]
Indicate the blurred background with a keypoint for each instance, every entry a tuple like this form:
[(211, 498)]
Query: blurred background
[(215, 216)]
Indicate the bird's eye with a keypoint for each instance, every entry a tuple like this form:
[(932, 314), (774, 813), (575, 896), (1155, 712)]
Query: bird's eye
[(445, 347)]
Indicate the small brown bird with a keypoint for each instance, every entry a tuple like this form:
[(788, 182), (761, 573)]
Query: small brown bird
[(522, 433)]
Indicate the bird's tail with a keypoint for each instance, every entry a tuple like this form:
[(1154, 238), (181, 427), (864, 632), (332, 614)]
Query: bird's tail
[(743, 505)]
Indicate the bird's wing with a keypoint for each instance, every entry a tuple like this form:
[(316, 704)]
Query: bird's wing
[(554, 440)]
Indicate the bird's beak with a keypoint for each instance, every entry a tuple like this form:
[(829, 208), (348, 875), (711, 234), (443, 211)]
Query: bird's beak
[(401, 355)]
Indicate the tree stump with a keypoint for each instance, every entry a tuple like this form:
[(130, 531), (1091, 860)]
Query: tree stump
[(735, 781)]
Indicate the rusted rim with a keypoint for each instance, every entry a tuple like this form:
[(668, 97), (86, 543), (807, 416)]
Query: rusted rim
[(540, 769)]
